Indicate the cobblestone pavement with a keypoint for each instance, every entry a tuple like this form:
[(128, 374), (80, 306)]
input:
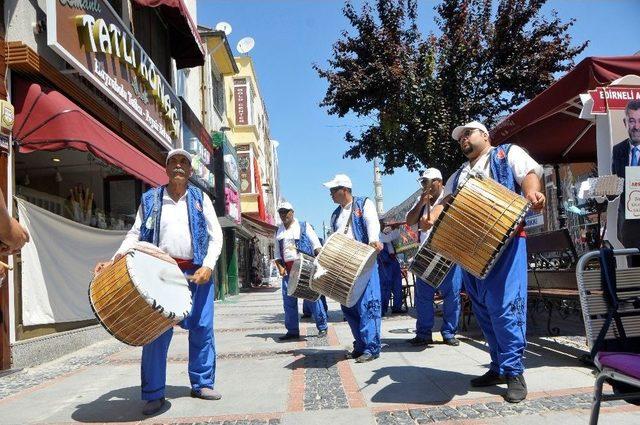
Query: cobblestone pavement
[(323, 388), (489, 410)]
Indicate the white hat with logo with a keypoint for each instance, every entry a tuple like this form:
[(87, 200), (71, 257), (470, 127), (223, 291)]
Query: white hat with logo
[(457, 132), (174, 152), (430, 174), (284, 205)]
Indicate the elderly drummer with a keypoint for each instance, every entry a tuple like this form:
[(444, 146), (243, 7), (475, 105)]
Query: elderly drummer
[(293, 237), (432, 193), (181, 221), (356, 217), (500, 300), (389, 269)]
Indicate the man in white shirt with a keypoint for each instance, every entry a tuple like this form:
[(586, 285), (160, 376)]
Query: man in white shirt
[(293, 237), (389, 270), (356, 217), (431, 182), (500, 300), (181, 221)]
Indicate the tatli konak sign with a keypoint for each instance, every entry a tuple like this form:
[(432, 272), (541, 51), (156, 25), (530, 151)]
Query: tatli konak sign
[(92, 38)]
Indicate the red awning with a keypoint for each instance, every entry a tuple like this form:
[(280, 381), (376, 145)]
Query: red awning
[(186, 44), (46, 120), (549, 126)]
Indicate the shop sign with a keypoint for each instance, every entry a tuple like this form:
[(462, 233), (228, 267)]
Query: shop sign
[(612, 98), (242, 112), (632, 193), (232, 202), (245, 171), (533, 220), (91, 37)]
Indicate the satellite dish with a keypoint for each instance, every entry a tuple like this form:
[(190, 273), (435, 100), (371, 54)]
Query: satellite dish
[(224, 27), (245, 45)]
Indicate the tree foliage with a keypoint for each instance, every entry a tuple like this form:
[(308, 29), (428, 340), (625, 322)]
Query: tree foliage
[(485, 61)]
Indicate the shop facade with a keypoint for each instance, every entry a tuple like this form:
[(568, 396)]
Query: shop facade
[(95, 113)]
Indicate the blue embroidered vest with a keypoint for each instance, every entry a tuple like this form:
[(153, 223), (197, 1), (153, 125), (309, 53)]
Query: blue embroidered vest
[(357, 221), (152, 214), (303, 244), (500, 169)]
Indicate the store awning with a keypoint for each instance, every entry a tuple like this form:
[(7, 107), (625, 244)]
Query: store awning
[(258, 226), (46, 120), (549, 126), (186, 44)]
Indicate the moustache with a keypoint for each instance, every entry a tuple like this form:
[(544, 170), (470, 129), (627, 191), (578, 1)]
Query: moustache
[(179, 171)]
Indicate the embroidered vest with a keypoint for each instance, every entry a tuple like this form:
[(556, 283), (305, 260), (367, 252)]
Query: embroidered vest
[(357, 220), (152, 214), (303, 244)]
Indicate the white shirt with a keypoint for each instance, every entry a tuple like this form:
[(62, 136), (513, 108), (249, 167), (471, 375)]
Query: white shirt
[(424, 234), (388, 238), (520, 162), (175, 234), (288, 238), (370, 219)]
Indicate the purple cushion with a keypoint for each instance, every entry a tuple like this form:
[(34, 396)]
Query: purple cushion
[(625, 363)]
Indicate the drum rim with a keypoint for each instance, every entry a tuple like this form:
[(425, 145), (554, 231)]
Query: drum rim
[(424, 244), (155, 306), (505, 240)]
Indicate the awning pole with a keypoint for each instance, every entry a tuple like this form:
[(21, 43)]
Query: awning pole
[(562, 218)]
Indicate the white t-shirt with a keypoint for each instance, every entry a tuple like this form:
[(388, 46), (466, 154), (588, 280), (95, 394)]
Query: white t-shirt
[(425, 234), (370, 218), (175, 234), (388, 238), (288, 238), (520, 162)]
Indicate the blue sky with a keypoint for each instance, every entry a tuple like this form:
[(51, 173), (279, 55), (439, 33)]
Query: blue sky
[(291, 35)]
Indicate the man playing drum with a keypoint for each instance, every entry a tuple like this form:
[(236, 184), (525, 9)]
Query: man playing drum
[(500, 300), (292, 237), (389, 270), (181, 221), (432, 193), (356, 217)]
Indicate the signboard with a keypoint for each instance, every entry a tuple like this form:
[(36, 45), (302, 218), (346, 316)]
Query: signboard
[(90, 36), (632, 193), (245, 171), (533, 220), (608, 98), (241, 108)]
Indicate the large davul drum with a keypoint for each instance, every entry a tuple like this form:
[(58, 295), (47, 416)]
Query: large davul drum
[(139, 297), (343, 268), (477, 224)]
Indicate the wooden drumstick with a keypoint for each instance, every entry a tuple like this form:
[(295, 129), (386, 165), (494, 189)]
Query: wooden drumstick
[(6, 266)]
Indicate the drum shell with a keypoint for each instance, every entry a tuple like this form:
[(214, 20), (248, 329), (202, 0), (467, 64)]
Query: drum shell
[(430, 266), (121, 309), (344, 268), (300, 278), (477, 224)]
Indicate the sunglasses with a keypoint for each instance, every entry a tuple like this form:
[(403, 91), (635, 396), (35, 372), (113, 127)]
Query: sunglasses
[(335, 189)]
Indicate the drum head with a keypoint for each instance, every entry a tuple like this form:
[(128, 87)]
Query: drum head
[(160, 283), (362, 280), (294, 275)]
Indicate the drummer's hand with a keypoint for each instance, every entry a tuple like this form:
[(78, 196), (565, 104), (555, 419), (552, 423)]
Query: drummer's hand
[(377, 245), (425, 223), (283, 271), (537, 200), (425, 197), (202, 275), (100, 267)]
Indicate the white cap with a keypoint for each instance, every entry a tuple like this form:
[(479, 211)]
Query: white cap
[(430, 174), (340, 180), (174, 152), (457, 132), (285, 206)]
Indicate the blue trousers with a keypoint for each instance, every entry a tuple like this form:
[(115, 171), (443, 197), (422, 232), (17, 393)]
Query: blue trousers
[(202, 353), (291, 320), (306, 305), (390, 281), (500, 305), (450, 290), (364, 318)]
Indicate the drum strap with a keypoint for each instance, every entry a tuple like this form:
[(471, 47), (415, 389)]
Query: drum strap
[(346, 228)]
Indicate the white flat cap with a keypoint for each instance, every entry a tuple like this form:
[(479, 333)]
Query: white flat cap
[(340, 180), (457, 132), (174, 152), (285, 206), (430, 174)]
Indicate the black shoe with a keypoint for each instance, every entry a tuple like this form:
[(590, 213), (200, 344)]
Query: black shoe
[(322, 333), (366, 357), (352, 355), (153, 406), (488, 379), (516, 389), (305, 316), (418, 342), (287, 337), (397, 311), (453, 341)]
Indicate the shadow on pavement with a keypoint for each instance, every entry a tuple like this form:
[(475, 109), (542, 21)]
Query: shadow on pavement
[(415, 385), (316, 358), (274, 336), (122, 405)]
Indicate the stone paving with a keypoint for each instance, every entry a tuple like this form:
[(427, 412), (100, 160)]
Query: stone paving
[(267, 381)]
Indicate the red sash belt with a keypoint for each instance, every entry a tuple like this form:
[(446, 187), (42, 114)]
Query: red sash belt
[(288, 265), (185, 264)]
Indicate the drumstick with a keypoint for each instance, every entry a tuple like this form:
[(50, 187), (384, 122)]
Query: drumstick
[(6, 266)]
